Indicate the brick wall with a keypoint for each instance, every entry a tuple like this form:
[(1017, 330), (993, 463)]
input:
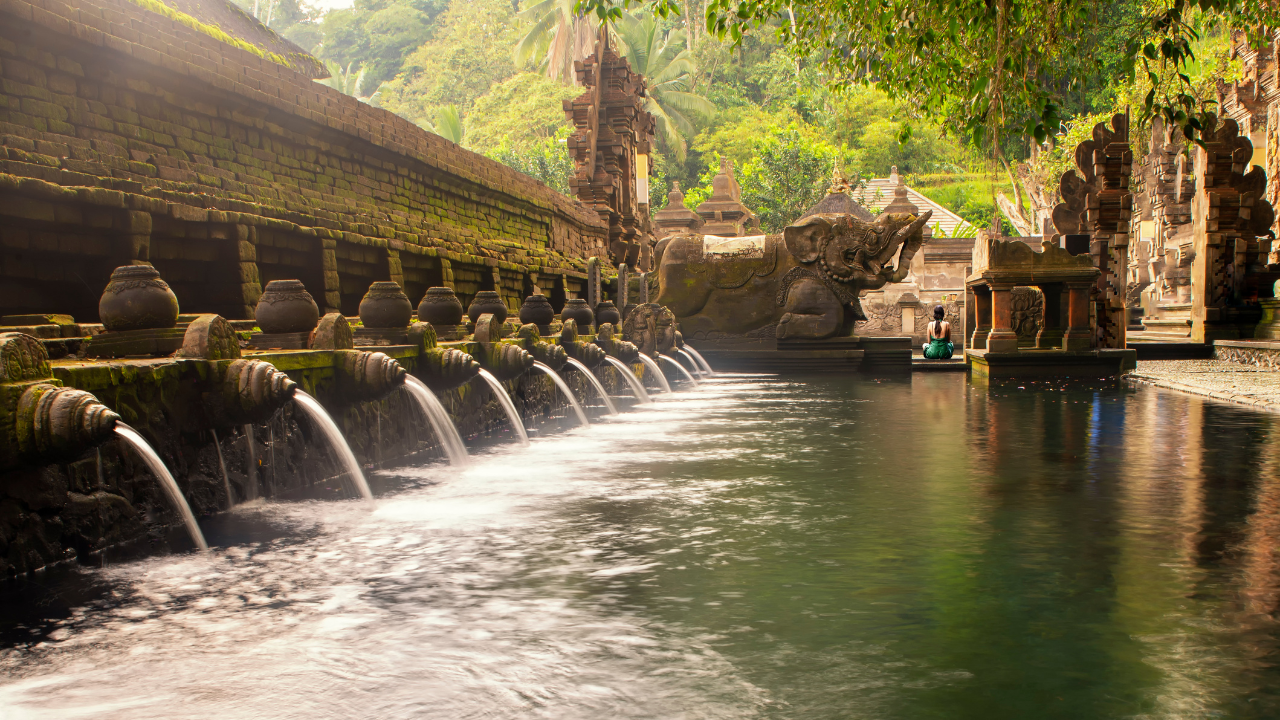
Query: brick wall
[(125, 137)]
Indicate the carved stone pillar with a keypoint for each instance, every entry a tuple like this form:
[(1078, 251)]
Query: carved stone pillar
[(1078, 335), (981, 318), (332, 286), (1002, 338)]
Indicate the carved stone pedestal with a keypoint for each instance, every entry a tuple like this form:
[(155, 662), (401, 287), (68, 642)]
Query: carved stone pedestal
[(280, 341), (162, 341)]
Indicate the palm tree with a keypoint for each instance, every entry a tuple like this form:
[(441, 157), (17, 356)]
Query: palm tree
[(665, 61), (559, 35), (344, 80), (448, 124)]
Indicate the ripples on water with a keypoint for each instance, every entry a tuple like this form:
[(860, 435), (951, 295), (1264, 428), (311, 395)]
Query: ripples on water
[(758, 548)]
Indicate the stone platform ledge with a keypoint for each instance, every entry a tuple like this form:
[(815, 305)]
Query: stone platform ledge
[(1050, 363), (784, 361), (1216, 379)]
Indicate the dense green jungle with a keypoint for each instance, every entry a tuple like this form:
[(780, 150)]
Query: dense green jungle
[(492, 76)]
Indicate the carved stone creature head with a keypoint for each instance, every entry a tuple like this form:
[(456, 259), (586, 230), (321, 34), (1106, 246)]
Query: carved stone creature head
[(651, 328), (847, 250)]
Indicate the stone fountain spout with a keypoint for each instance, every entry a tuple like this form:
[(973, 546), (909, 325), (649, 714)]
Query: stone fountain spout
[(587, 353), (440, 368), (253, 390), (38, 417), (504, 360), (553, 356), (369, 375), (612, 346)]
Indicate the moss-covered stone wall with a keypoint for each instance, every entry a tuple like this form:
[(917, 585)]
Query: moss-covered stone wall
[(126, 136)]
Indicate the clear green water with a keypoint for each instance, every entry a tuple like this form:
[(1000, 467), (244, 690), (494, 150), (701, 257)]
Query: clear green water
[(759, 548)]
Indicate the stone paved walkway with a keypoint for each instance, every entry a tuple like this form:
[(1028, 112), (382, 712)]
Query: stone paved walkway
[(1233, 382)]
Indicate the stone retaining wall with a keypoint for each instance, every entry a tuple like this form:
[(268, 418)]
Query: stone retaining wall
[(127, 137)]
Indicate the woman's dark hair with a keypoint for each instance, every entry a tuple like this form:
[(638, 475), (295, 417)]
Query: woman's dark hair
[(939, 312)]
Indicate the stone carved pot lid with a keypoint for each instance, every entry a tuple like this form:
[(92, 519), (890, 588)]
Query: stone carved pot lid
[(286, 307), (385, 306), (487, 302), (537, 310), (137, 299), (440, 306)]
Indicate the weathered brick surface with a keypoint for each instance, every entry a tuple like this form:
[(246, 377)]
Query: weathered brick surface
[(108, 112)]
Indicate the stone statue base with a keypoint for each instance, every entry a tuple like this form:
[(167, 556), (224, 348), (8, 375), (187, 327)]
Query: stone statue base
[(1075, 364), (850, 354)]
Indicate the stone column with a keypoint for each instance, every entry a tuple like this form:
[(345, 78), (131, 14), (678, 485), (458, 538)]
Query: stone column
[(624, 287), (907, 304), (1002, 337), (1078, 335), (446, 273), (332, 287), (981, 317), (250, 279), (133, 243), (593, 282), (395, 270), (1051, 329)]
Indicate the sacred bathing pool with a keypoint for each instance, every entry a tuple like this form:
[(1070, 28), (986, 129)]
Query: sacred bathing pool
[(307, 412)]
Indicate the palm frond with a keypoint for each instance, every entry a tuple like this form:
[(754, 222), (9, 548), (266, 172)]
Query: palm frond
[(688, 103)]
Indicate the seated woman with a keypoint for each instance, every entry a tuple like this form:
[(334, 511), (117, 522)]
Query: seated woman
[(939, 346)]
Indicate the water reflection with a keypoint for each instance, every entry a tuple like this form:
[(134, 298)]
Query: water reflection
[(758, 548)]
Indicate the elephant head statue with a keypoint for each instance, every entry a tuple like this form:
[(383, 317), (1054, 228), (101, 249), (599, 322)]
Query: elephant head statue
[(854, 252), (802, 284)]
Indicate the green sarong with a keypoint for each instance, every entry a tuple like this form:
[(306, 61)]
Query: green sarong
[(938, 349)]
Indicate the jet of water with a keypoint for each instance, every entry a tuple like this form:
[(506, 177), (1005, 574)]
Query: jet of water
[(701, 361), (657, 372), (504, 399), (559, 381), (226, 481), (688, 376), (316, 412), (693, 364), (636, 388), (167, 483), (443, 427), (595, 382)]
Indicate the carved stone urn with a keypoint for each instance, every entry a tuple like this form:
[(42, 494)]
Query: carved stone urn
[(487, 302), (137, 299), (537, 310), (286, 307), (440, 307), (607, 312), (385, 306), (578, 310)]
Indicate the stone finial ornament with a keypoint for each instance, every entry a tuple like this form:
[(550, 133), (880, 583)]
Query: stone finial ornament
[(210, 337), (333, 332)]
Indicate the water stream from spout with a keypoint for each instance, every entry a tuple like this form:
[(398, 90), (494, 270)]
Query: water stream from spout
[(701, 361), (251, 472), (636, 388), (504, 399), (693, 364), (316, 412), (167, 483), (560, 383), (688, 376), (595, 382), (222, 464), (657, 372), (443, 427)]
